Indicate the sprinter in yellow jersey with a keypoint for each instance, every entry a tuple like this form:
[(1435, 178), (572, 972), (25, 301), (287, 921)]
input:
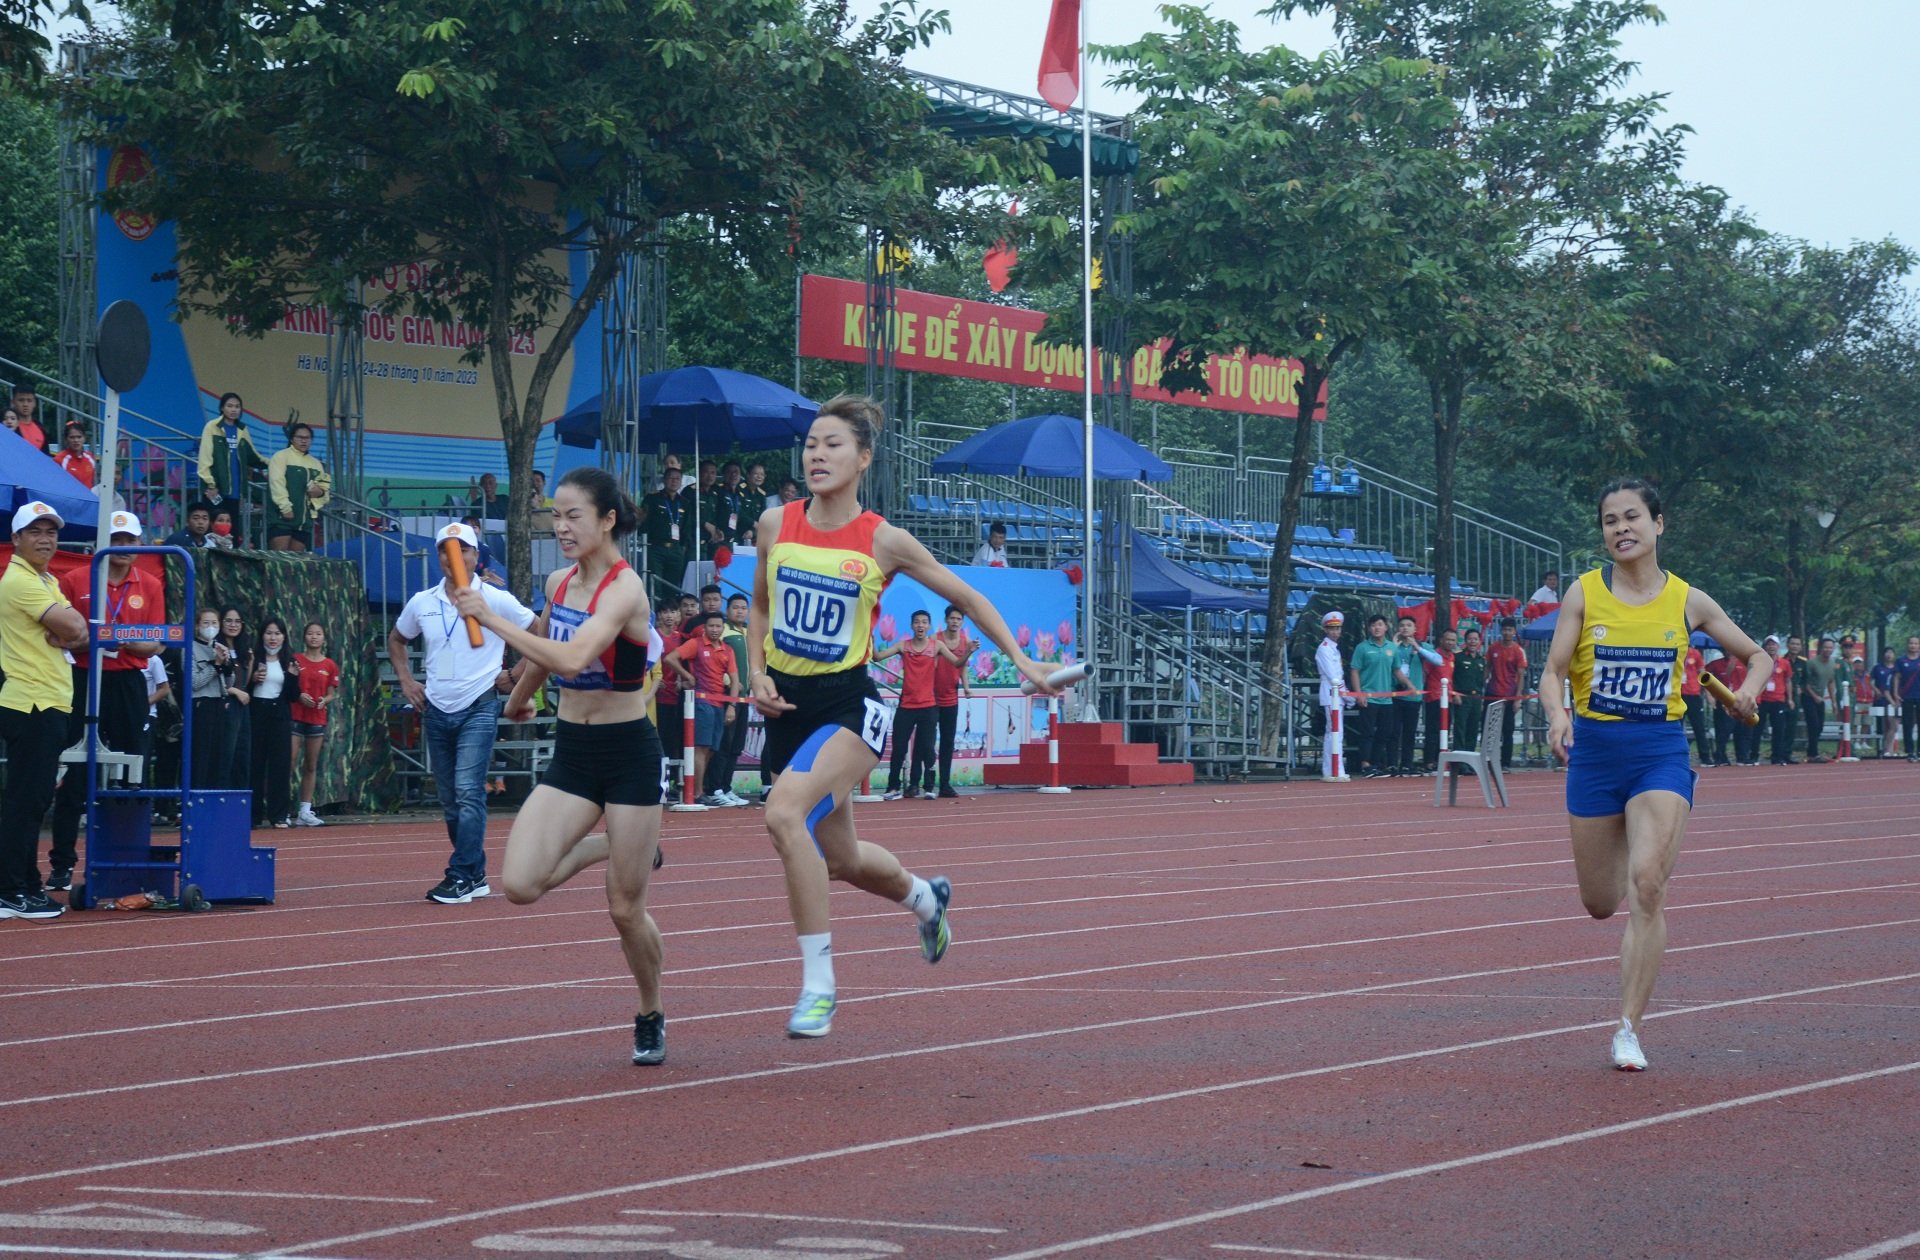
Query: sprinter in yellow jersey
[(1622, 639), (822, 564)]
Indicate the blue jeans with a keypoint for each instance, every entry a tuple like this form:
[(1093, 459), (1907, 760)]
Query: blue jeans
[(460, 745)]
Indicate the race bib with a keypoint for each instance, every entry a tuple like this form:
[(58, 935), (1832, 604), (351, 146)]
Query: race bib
[(562, 623), (673, 531), (1631, 682), (879, 721), (815, 614)]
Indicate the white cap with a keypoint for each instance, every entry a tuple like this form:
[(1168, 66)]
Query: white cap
[(35, 511), (459, 532), (124, 523), (1334, 617), (1772, 638)]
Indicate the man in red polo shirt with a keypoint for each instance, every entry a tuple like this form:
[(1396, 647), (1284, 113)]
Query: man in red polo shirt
[(133, 599), (949, 679), (1506, 673), (1430, 692), (705, 663)]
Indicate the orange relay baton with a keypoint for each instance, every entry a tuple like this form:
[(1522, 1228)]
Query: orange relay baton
[(1718, 690), (456, 562)]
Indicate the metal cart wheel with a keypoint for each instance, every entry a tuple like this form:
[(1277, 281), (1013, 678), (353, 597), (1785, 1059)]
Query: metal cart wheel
[(194, 900), (77, 897)]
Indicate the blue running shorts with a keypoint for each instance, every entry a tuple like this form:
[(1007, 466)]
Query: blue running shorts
[(1612, 762)]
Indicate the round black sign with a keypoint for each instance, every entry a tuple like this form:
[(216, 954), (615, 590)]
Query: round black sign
[(121, 346)]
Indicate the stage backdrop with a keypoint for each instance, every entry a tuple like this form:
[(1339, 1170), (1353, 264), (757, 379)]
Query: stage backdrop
[(1038, 604)]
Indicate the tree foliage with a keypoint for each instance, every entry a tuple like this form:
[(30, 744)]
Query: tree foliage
[(29, 239)]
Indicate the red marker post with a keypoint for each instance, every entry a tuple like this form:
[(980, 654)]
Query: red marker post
[(688, 790)]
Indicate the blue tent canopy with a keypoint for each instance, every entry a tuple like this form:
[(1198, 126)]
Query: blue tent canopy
[(393, 566), (1162, 585), (703, 406), (27, 475), (1053, 446)]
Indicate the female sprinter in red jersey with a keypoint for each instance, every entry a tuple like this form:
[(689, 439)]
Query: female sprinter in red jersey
[(593, 636), (817, 581), (1622, 640)]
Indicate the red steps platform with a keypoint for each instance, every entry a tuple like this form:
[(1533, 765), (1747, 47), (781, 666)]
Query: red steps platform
[(1092, 754)]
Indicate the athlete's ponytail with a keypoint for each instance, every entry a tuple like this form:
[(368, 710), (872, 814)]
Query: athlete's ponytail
[(859, 413), (598, 484)]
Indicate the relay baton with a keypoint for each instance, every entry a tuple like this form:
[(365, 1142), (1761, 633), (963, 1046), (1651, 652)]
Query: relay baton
[(1066, 677), (456, 562), (1719, 692)]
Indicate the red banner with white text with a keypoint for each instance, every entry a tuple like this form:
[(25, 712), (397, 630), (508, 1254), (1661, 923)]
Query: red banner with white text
[(952, 337)]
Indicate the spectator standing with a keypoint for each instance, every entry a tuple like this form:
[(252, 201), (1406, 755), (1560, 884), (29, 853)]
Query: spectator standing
[(703, 663), (666, 519), (1410, 660), (235, 768), (705, 491), (1326, 659), (732, 513), (212, 673), (1470, 692), (162, 743), (1819, 688), (667, 623), (459, 706), (914, 719), (1886, 706), (1548, 592), (297, 489), (270, 716), (726, 759), (37, 626), (74, 457), (1692, 664), (26, 404), (1731, 672), (316, 687), (227, 454), (133, 598), (1506, 675), (537, 498), (1906, 688), (992, 553), (949, 680), (1371, 674), (198, 527), (1439, 674), (1796, 657), (1776, 705), (760, 496)]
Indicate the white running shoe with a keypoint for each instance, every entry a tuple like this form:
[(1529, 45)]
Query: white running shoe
[(735, 799), (307, 818), (1627, 1055)]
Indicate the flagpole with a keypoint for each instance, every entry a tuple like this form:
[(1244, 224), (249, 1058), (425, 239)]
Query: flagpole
[(1090, 362)]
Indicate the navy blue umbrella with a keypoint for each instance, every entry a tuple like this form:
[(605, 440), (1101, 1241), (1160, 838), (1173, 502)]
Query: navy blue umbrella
[(28, 475), (690, 407), (1053, 446)]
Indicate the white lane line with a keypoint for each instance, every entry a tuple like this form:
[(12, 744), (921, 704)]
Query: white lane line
[(1887, 1248), (135, 1253), (1081, 900), (814, 1220), (1132, 1021), (1126, 1104), (258, 1194), (1298, 1251), (1464, 1161)]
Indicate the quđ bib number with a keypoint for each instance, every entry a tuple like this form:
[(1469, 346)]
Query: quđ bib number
[(873, 730), (815, 624)]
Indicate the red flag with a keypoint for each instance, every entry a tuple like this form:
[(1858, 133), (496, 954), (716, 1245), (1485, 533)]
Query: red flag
[(1060, 57), (1001, 258)]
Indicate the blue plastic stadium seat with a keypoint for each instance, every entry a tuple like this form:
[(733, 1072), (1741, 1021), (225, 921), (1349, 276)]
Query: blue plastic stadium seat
[(1259, 624), (939, 506), (920, 502), (1243, 573)]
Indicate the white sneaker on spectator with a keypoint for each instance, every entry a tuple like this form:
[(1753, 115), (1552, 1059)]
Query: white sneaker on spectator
[(735, 799), (307, 818)]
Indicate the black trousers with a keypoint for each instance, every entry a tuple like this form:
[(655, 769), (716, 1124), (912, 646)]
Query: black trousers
[(1697, 719), (915, 725), (1777, 717), (123, 723), (1407, 723), (1378, 728), (949, 723), (1506, 729), (1814, 714), (1910, 725), (272, 722), (209, 732), (1467, 716), (1430, 745), (726, 758), (34, 741)]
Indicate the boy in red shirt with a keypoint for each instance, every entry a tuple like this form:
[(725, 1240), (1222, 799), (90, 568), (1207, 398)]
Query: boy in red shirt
[(949, 679), (666, 700), (1436, 675), (914, 721), (73, 457), (317, 686), (704, 662), (1506, 673), (1776, 705)]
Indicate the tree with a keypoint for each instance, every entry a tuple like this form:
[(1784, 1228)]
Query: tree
[(1279, 197), (23, 41), (1550, 159), (29, 246), (302, 147)]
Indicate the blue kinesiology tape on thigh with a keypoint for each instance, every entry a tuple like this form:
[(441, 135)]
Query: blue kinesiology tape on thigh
[(803, 759), (814, 819)]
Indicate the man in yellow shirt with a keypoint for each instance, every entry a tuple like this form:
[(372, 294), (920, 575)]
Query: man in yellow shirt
[(37, 627)]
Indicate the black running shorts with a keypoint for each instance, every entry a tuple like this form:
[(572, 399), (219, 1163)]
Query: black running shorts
[(846, 699), (616, 764)]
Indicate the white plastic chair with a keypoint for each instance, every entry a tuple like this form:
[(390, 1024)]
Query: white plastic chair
[(1484, 761)]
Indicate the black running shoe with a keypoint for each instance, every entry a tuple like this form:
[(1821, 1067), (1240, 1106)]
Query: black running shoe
[(659, 856), (33, 905), (650, 1039), (948, 794), (60, 880), (454, 891)]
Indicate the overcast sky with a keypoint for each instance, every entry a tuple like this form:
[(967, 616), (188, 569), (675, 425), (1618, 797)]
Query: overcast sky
[(1804, 114)]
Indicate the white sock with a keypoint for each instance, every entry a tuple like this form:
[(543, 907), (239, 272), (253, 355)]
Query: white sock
[(920, 900), (816, 963), (306, 807)]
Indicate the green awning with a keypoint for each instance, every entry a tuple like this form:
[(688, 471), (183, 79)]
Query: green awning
[(1112, 155)]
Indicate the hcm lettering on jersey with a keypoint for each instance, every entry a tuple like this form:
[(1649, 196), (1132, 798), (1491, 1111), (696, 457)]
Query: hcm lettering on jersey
[(1631, 682), (815, 616)]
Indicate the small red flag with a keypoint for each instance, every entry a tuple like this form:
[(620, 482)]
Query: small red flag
[(1060, 57)]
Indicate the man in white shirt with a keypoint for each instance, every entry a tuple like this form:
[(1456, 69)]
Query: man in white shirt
[(459, 710), (993, 552), (1548, 591), (1326, 658)]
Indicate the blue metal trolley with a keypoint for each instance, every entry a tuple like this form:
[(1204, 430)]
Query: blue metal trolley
[(215, 859)]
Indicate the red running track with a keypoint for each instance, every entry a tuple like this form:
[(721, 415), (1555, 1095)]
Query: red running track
[(1304, 1020)]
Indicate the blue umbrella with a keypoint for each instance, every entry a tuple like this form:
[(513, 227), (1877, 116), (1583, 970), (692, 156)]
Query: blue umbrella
[(1052, 446), (696, 406), (1541, 627), (27, 475)]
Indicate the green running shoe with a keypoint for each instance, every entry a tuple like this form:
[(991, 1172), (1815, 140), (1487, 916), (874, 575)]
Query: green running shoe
[(812, 1015), (935, 935)]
